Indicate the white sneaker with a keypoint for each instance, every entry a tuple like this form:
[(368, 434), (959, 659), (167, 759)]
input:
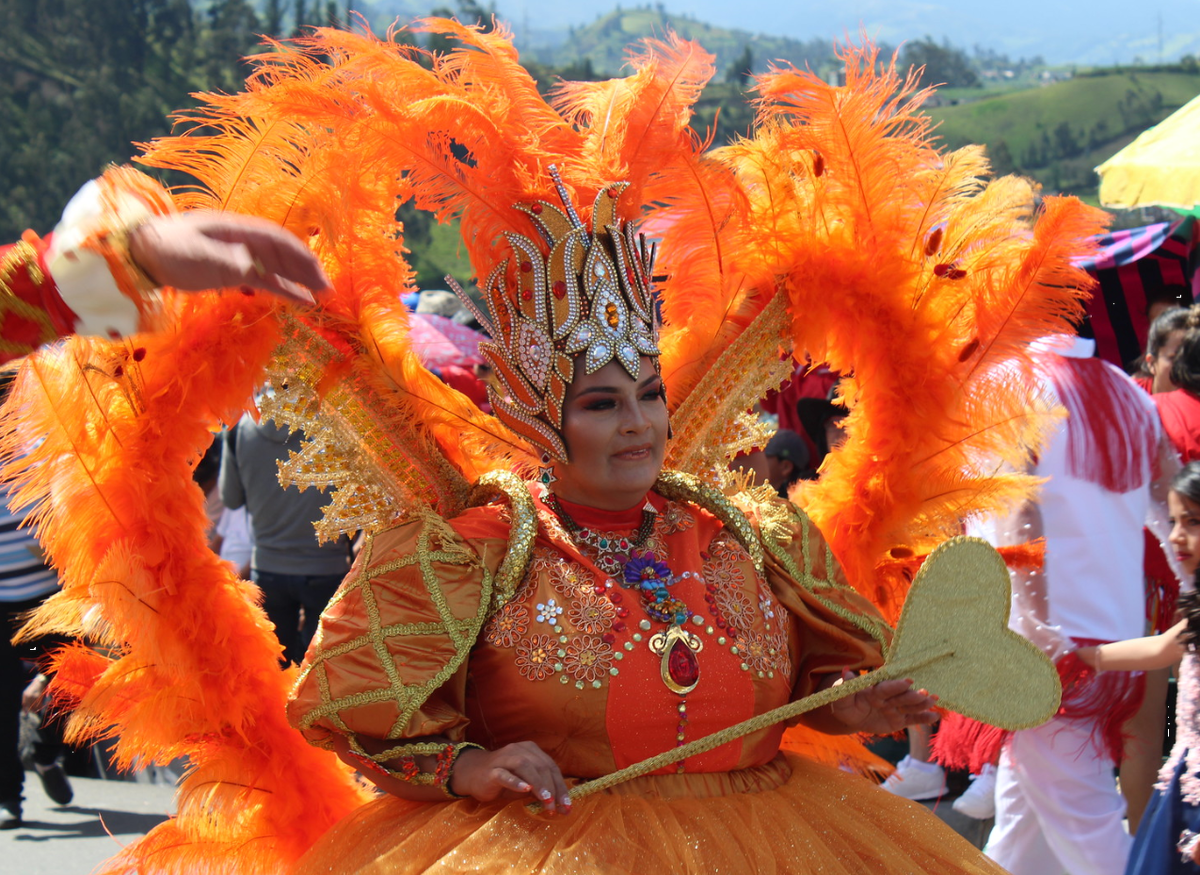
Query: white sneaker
[(916, 780), (979, 799)]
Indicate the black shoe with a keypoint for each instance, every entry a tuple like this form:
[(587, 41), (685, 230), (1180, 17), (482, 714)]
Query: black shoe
[(10, 814), (55, 783)]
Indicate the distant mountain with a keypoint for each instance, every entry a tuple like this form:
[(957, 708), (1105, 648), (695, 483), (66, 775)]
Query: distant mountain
[(1059, 133), (605, 42), (1086, 32)]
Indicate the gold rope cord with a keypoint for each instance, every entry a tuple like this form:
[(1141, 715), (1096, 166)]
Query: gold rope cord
[(678, 486), (521, 534)]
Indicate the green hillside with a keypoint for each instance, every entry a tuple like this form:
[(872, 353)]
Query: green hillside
[(1058, 133), (605, 41)]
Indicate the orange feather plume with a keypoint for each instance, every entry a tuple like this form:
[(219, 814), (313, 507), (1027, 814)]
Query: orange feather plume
[(903, 269), (927, 286), (105, 438)]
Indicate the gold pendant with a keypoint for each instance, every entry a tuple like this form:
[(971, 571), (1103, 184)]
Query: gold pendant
[(680, 670)]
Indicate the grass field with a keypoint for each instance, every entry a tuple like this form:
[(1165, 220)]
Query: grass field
[(1115, 105)]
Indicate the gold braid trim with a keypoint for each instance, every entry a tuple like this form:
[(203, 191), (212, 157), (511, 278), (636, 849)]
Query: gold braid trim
[(521, 534), (461, 632), (494, 591), (22, 255), (677, 486), (874, 626)]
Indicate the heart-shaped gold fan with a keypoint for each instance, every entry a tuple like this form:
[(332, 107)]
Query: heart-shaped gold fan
[(952, 639)]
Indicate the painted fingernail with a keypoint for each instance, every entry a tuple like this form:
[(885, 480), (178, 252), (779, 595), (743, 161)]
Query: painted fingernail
[(545, 795), (565, 801), (524, 788)]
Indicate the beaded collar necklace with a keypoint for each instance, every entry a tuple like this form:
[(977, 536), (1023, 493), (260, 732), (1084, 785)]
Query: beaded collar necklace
[(619, 558)]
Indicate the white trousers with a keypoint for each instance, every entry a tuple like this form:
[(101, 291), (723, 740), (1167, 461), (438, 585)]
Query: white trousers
[(1057, 805)]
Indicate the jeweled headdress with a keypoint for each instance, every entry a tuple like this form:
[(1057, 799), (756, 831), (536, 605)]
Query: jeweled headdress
[(591, 295)]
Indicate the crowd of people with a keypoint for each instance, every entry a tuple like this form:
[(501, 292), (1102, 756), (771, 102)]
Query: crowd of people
[(478, 657)]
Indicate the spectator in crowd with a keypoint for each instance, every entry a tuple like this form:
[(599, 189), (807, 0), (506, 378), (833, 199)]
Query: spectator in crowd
[(822, 423), (25, 582), (1057, 805), (1143, 750), (1162, 343), (787, 461), (1180, 408), (295, 572)]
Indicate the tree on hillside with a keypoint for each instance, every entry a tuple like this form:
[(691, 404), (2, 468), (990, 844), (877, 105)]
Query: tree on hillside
[(81, 80), (741, 69), (943, 64)]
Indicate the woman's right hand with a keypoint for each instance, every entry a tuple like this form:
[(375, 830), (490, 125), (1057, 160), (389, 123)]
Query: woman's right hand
[(199, 249), (514, 770)]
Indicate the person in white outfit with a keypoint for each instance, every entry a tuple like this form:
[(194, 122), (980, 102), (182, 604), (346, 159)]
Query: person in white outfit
[(1057, 806)]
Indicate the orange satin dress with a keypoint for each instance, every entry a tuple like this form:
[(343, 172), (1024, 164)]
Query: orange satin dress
[(567, 664)]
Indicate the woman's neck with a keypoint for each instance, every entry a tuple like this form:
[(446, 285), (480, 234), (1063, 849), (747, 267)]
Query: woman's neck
[(603, 518)]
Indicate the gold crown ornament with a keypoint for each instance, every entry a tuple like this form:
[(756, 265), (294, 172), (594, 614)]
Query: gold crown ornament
[(590, 295)]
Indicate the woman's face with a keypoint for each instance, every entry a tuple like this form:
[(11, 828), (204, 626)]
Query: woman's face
[(615, 430), (1185, 530), (1159, 366)]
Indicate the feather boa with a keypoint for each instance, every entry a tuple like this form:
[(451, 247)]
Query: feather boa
[(110, 434)]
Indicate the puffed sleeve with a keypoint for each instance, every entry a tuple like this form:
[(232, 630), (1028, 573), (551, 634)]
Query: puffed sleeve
[(389, 660), (839, 627)]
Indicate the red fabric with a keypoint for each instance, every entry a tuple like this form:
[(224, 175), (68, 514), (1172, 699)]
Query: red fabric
[(1162, 586), (1113, 439), (1109, 700), (1179, 411), (465, 381), (20, 333), (963, 743), (803, 384)]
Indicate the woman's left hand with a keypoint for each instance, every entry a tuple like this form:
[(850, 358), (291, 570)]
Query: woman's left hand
[(885, 708)]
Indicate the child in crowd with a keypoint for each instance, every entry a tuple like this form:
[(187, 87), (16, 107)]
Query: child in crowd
[(1168, 840)]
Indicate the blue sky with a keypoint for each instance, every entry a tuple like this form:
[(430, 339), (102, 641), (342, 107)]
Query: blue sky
[(1071, 31)]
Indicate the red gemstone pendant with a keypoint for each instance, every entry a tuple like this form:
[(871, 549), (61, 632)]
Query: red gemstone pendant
[(680, 669)]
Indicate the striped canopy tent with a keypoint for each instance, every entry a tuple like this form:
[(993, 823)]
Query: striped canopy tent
[(1136, 269)]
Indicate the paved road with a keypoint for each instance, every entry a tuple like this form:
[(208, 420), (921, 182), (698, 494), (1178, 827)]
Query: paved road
[(74, 839)]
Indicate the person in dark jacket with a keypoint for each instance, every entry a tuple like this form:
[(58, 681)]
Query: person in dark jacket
[(294, 571)]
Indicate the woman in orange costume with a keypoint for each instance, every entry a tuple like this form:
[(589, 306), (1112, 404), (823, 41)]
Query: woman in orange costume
[(641, 621), (493, 622)]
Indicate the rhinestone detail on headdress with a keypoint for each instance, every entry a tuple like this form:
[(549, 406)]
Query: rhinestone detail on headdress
[(591, 295)]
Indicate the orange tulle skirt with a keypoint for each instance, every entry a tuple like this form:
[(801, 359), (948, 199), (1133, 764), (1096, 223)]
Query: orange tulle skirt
[(790, 816)]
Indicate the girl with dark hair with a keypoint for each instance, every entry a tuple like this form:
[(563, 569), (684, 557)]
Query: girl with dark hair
[(1162, 344), (1168, 840), (1180, 409)]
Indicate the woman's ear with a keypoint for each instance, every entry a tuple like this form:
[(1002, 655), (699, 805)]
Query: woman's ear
[(1149, 362)]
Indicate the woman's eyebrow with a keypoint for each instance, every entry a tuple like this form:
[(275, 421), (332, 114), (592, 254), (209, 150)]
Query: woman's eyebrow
[(612, 390)]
